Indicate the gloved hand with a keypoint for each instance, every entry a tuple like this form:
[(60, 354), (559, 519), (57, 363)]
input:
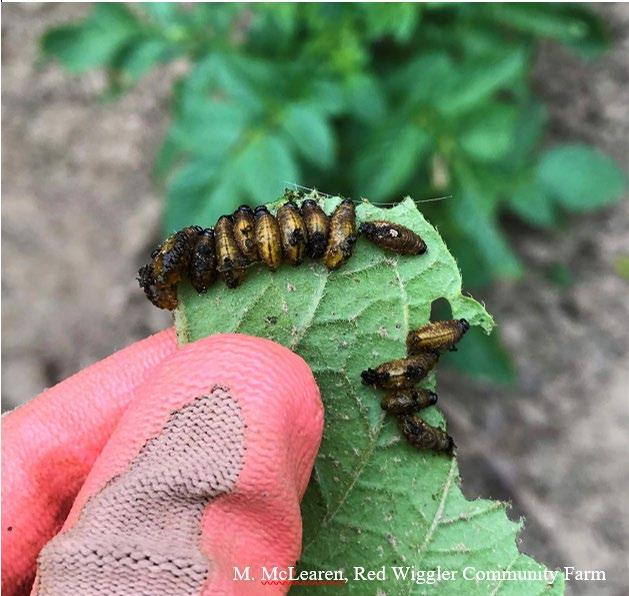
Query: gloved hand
[(160, 469)]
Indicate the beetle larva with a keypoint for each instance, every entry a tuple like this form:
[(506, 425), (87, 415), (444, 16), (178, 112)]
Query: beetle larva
[(292, 233), (424, 436), (317, 227), (407, 401), (160, 296), (439, 336), (392, 236), (203, 271), (172, 258), (402, 373), (342, 235), (230, 261), (244, 232), (267, 238)]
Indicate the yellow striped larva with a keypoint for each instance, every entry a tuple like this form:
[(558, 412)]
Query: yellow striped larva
[(292, 233), (342, 235), (230, 261), (438, 336), (244, 235), (267, 238)]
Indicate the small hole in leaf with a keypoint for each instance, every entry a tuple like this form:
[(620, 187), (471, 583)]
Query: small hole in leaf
[(440, 310)]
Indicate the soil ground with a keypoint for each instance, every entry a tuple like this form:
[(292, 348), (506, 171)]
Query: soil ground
[(80, 213)]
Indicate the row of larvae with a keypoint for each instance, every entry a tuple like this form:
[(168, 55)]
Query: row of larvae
[(400, 377), (250, 236)]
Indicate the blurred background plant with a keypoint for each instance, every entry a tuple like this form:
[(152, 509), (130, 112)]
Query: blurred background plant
[(366, 100)]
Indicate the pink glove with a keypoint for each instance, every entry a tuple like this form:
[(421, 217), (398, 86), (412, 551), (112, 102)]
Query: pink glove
[(160, 469)]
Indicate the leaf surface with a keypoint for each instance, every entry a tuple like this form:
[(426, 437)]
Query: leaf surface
[(373, 500), (580, 177)]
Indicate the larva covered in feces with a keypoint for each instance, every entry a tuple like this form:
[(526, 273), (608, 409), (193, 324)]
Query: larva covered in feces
[(171, 258), (244, 235), (203, 272), (422, 435), (402, 373), (392, 236), (342, 235), (160, 296), (292, 233), (317, 228), (407, 401)]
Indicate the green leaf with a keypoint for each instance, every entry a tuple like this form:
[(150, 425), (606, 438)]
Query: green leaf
[(474, 213), (571, 24), (490, 136), (533, 204), (224, 197), (373, 500), (365, 98), (267, 166), (483, 356), (528, 133), (94, 42), (480, 79), (580, 177), (398, 19), (426, 79), (137, 59), (187, 192), (311, 134), (389, 160), (208, 128)]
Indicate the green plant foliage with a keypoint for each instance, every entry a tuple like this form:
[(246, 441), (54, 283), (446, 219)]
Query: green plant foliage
[(580, 178), (373, 499), (370, 100)]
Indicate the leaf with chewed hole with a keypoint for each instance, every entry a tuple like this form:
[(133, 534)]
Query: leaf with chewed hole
[(374, 500)]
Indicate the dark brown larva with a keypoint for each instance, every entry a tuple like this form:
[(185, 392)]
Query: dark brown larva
[(160, 296), (402, 373), (203, 271), (342, 235), (172, 258), (244, 232), (424, 436), (267, 238), (392, 236), (230, 261), (317, 226), (407, 401), (439, 336), (292, 233)]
